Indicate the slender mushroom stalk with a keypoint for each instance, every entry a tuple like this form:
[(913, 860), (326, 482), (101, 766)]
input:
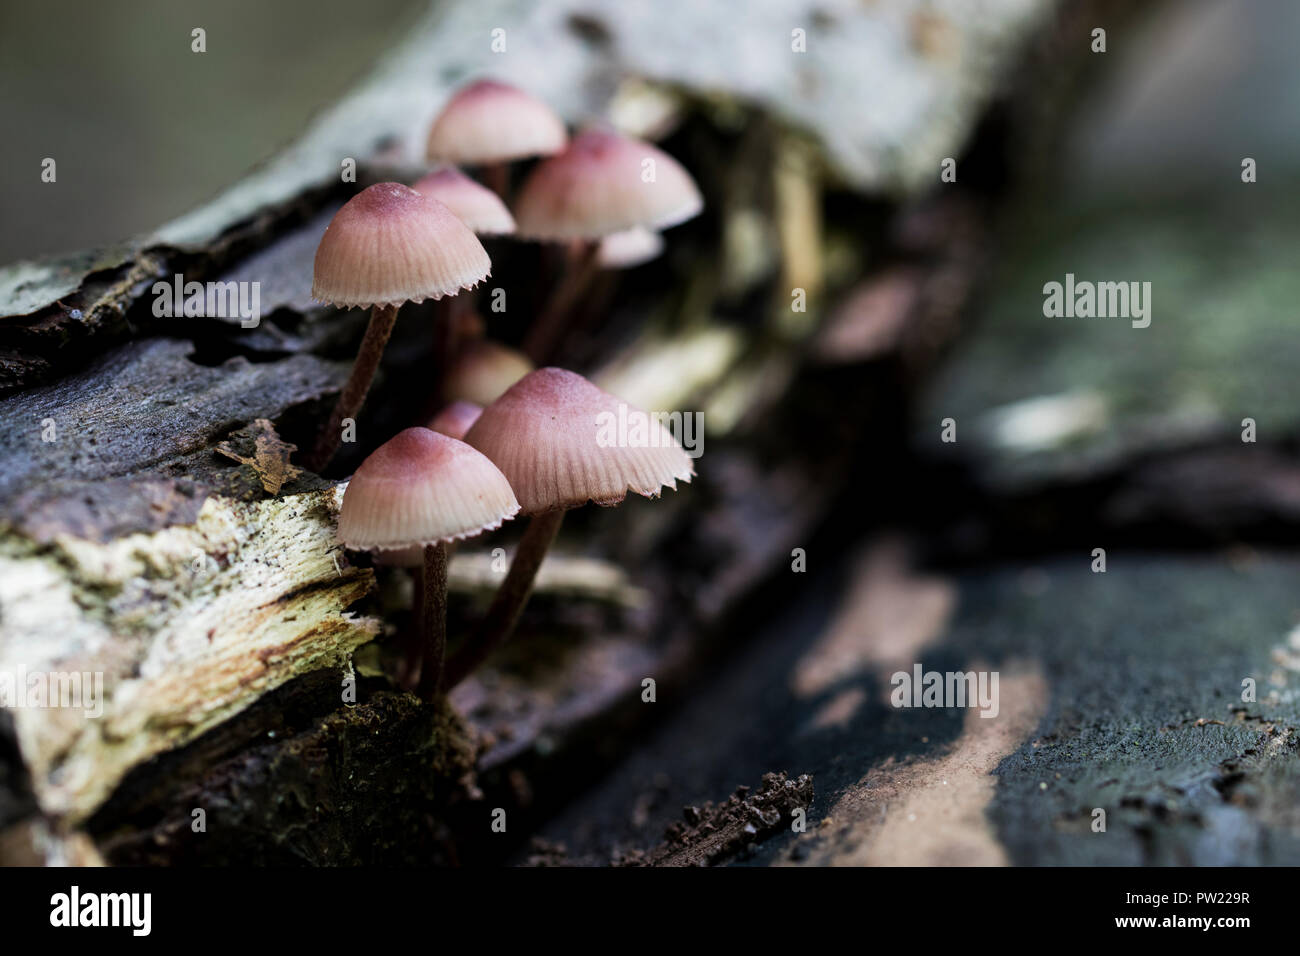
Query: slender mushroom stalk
[(425, 490), (353, 396), (618, 251), (496, 176), (435, 619), (388, 245), (509, 601), (550, 323), (454, 421), (548, 435), (412, 640), (587, 260), (601, 185), (446, 341)]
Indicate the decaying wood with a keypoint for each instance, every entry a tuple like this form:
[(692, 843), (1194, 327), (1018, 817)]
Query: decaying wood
[(1119, 692), (297, 780), (712, 833), (185, 627), (270, 458), (127, 444), (161, 534)]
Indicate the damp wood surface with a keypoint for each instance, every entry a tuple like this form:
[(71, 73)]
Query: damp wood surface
[(1119, 692)]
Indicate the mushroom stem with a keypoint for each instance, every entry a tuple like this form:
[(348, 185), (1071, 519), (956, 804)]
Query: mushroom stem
[(449, 322), (510, 597), (435, 620), (412, 641), (496, 176), (555, 316), (380, 327)]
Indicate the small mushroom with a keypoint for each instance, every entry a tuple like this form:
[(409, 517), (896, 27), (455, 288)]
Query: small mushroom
[(388, 245), (483, 211), (475, 205), (422, 489), (546, 434), (453, 421), (490, 124), (603, 183)]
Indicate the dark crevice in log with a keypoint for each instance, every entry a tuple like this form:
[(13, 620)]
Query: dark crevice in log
[(115, 304), (1196, 498), (16, 798)]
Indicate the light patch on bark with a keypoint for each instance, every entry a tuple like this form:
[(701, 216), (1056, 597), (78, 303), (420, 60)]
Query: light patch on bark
[(189, 626), (890, 616), (571, 577), (931, 812)]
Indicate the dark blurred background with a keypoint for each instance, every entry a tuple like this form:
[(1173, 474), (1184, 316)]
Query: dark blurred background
[(144, 130)]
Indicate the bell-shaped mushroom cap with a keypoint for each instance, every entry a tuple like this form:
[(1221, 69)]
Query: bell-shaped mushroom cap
[(473, 204), (421, 488), (602, 184), (483, 371), (562, 442), (629, 248), (389, 245), (490, 122), (456, 419)]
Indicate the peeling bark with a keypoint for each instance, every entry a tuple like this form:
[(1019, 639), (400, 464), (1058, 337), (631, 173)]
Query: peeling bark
[(181, 629)]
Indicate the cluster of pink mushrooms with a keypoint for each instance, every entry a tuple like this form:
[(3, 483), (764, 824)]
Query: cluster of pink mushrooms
[(511, 440)]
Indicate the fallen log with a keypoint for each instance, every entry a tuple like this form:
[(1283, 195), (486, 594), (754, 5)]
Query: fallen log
[(162, 537)]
